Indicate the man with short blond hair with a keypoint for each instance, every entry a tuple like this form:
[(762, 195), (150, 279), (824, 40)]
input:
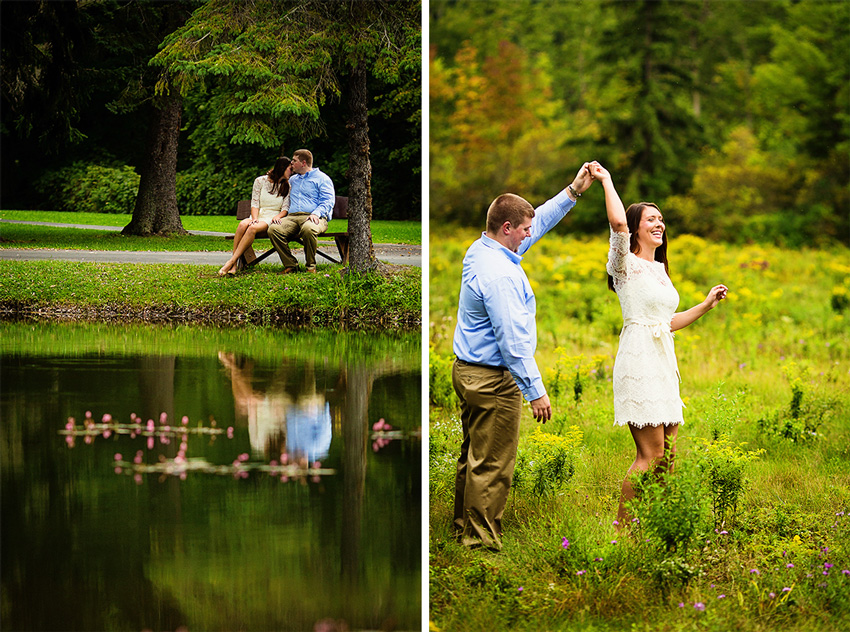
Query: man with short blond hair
[(311, 204), (494, 341)]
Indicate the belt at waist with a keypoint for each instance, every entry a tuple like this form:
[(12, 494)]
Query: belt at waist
[(483, 366), (662, 332)]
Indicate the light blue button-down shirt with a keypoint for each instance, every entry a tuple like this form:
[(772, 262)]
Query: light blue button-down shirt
[(496, 313), (312, 193)]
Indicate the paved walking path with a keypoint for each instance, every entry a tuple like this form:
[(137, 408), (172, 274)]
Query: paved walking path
[(397, 254)]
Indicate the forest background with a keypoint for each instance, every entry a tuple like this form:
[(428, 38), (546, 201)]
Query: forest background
[(733, 116), (78, 95)]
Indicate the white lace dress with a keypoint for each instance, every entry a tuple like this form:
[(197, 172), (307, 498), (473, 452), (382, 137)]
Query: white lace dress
[(646, 376)]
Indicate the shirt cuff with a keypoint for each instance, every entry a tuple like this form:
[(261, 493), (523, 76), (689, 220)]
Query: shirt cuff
[(535, 391)]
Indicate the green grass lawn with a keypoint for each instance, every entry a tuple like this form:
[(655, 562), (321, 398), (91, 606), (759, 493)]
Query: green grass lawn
[(24, 236)]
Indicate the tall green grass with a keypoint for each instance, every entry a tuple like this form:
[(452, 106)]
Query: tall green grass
[(764, 456)]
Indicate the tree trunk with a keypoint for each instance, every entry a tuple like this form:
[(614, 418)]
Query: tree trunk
[(156, 212), (362, 254)]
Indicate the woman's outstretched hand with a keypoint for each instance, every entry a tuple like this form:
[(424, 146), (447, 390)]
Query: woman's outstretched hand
[(715, 295)]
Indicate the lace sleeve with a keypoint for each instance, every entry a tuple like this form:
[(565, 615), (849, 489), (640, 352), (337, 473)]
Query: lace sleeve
[(617, 251), (284, 206), (255, 192)]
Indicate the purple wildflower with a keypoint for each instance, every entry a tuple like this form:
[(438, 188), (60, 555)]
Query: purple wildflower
[(565, 543), (699, 606)]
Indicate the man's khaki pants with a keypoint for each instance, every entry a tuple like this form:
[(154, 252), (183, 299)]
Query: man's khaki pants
[(297, 228), (491, 404)]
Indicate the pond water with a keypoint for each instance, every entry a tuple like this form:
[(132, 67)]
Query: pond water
[(283, 502)]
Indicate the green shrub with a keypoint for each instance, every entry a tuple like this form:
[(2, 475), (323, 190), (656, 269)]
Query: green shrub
[(722, 465), (546, 463), (205, 191), (440, 388), (805, 412), (91, 188), (671, 508)]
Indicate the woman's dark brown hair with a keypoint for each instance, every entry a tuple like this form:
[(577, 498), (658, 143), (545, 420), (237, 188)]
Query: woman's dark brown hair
[(277, 176), (633, 216)]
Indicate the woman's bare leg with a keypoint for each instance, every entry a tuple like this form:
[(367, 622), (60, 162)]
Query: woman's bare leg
[(649, 447), (251, 232)]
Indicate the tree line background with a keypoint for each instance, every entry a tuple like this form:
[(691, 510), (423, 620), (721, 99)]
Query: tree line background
[(81, 96), (733, 116)]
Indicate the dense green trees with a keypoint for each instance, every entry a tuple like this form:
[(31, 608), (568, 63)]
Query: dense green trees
[(77, 91), (735, 116)]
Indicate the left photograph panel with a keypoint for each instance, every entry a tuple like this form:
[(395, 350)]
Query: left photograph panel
[(210, 315)]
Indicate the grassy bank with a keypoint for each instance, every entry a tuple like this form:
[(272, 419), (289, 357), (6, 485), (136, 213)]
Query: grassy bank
[(176, 293), (750, 533), (182, 293), (28, 236)]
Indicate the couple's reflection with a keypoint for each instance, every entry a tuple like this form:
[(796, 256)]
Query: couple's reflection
[(286, 414)]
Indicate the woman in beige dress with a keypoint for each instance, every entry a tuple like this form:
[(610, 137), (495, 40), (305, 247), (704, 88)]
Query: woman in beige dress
[(269, 203)]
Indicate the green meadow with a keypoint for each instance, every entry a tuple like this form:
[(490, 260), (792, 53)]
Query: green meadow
[(750, 532)]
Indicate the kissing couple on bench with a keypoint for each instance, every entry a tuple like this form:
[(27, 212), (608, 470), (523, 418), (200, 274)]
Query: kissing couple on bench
[(293, 202)]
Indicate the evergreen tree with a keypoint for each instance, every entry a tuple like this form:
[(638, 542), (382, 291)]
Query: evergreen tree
[(280, 62)]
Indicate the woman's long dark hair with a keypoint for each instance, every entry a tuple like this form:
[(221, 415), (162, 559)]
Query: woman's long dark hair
[(277, 177), (633, 216)]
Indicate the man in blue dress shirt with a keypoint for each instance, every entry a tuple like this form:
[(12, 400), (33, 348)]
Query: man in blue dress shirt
[(311, 204), (494, 341)]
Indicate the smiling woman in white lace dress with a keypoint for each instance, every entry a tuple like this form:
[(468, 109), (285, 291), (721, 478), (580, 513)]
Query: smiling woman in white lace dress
[(646, 375)]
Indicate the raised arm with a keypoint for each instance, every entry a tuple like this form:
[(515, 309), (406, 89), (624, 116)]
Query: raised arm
[(613, 204)]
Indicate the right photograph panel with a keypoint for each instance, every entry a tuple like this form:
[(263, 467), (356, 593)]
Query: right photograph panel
[(639, 283)]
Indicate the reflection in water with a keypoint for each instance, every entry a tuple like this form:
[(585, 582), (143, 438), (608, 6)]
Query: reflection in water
[(84, 548), (280, 422)]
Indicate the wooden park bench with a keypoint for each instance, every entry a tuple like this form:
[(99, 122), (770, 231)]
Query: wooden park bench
[(250, 258)]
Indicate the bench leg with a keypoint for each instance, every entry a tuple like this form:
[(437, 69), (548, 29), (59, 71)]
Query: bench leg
[(342, 246)]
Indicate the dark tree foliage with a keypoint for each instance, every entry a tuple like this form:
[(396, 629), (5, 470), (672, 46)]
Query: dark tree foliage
[(277, 65)]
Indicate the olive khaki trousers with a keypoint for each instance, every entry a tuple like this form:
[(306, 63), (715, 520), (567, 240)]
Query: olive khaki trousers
[(297, 228), (491, 404)]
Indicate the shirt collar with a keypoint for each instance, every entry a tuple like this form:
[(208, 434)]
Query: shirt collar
[(495, 245)]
